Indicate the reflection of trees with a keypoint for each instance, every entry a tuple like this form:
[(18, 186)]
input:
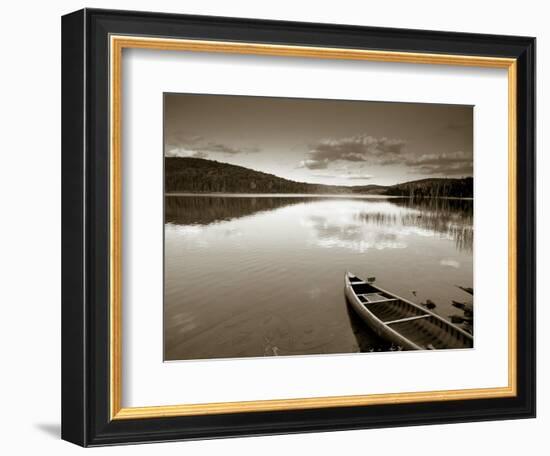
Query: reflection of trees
[(455, 205), (452, 218), (202, 210)]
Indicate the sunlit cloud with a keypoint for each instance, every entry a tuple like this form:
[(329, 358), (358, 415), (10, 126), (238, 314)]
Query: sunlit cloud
[(362, 150), (198, 147), (348, 176), (184, 153), (444, 164), (359, 148)]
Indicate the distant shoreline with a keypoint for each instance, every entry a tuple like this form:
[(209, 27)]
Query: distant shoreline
[(307, 195), (201, 176)]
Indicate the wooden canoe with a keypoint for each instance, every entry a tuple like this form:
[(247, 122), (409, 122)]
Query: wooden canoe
[(402, 322)]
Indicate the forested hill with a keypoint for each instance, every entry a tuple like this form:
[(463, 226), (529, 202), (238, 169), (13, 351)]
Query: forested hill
[(197, 175), (434, 188)]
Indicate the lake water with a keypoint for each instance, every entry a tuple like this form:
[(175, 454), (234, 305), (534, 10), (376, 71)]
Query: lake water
[(264, 275)]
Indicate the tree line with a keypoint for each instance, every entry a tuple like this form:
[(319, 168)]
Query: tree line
[(197, 175)]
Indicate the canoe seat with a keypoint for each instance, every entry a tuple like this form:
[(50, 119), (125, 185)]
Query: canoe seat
[(375, 297)]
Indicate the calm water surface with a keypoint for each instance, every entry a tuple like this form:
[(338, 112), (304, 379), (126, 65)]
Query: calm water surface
[(264, 275)]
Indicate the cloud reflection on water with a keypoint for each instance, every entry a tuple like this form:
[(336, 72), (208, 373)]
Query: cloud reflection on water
[(364, 225), (356, 224)]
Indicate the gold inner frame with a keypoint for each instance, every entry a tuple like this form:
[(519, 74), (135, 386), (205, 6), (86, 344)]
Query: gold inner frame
[(117, 44)]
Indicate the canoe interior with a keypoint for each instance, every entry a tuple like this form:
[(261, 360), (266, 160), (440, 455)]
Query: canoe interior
[(421, 328)]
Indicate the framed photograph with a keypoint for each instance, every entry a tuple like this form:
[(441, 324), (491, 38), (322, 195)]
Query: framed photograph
[(278, 227)]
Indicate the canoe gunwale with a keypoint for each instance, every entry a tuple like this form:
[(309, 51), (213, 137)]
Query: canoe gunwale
[(362, 308), (433, 314), (359, 306)]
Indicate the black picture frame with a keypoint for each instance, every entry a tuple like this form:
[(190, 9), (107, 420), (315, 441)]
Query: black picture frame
[(85, 224)]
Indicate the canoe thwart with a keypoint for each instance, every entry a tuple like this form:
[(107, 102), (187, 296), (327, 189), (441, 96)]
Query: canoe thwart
[(379, 301), (401, 320)]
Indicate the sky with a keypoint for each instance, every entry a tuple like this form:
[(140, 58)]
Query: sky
[(334, 142)]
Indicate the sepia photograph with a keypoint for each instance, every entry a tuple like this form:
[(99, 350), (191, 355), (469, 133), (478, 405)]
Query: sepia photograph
[(316, 226)]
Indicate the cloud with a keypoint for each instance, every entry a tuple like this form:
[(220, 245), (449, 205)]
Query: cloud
[(349, 176), (325, 176), (436, 159), (197, 146), (446, 164), (456, 169), (359, 177), (359, 148), (362, 149), (225, 149), (181, 152), (313, 164)]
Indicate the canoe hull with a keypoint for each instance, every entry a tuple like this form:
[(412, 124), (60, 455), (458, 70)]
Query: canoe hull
[(450, 336), (380, 329)]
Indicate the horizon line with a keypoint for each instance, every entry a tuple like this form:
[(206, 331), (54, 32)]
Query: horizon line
[(324, 185)]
